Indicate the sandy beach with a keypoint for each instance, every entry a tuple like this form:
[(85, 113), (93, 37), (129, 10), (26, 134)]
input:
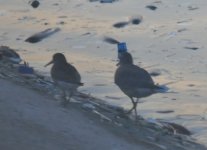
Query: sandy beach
[(169, 41), (32, 121)]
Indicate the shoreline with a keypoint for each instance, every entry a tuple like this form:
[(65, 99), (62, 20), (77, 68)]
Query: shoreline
[(123, 131), (42, 124)]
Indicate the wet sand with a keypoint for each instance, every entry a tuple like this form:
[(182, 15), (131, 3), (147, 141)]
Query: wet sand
[(32, 117), (170, 38), (32, 121)]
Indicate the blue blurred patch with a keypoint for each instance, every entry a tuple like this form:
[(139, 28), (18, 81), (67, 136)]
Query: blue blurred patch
[(122, 47), (25, 70)]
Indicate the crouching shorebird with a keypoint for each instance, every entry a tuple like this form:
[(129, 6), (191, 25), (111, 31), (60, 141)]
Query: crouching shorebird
[(65, 76), (9, 54), (134, 81)]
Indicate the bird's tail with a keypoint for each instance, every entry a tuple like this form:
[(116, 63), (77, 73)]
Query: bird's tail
[(161, 88)]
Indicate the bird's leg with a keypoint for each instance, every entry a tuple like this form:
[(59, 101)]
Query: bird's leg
[(128, 112), (64, 102), (69, 97), (134, 105), (64, 95), (135, 108)]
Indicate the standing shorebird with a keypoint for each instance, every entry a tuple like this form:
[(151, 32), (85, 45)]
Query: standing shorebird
[(65, 76), (134, 81)]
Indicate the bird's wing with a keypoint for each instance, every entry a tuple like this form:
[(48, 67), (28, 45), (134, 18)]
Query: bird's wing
[(133, 77), (66, 74)]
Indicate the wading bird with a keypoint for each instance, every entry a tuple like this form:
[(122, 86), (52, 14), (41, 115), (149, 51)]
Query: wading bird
[(65, 76), (134, 81)]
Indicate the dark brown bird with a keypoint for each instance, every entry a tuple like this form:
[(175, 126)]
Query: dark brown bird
[(65, 76), (134, 81)]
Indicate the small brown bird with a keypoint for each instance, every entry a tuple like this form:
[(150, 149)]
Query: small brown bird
[(65, 76), (134, 81)]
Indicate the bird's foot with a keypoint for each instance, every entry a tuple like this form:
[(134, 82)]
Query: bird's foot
[(138, 119), (121, 115), (128, 112), (65, 102)]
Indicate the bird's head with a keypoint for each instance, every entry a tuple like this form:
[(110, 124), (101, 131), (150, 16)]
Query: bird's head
[(125, 59), (58, 58)]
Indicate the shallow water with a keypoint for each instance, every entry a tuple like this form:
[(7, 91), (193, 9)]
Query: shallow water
[(158, 44)]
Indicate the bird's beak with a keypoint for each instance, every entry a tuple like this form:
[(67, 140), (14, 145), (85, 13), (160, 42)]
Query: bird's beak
[(49, 63)]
